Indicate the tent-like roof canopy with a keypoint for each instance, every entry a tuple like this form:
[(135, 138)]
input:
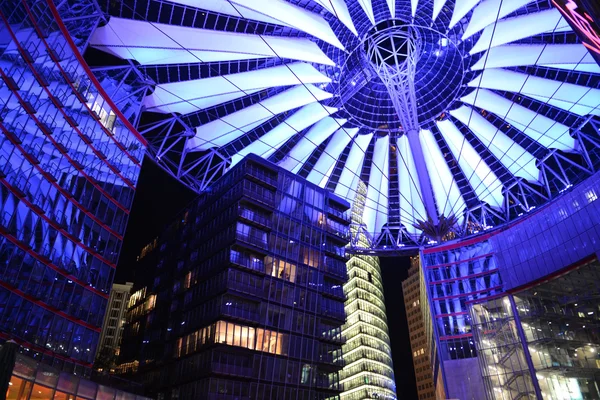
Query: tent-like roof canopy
[(477, 109)]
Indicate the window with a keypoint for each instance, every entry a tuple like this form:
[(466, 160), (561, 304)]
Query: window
[(281, 269)]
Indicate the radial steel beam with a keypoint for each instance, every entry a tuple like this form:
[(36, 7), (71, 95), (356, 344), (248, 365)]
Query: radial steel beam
[(394, 54)]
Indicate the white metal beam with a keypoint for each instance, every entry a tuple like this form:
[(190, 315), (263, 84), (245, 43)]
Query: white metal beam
[(514, 157), (309, 142), (348, 182), (272, 140), (489, 11), (542, 129), (484, 182), (277, 12), (375, 214), (577, 99), (322, 169), (153, 43), (223, 130), (448, 198), (526, 25), (189, 96)]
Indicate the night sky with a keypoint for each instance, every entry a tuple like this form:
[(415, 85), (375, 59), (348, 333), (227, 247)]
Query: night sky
[(159, 198)]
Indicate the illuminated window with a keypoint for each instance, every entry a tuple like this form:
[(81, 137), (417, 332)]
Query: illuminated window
[(281, 269)]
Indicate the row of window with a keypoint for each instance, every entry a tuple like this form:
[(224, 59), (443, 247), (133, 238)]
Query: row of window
[(258, 339)]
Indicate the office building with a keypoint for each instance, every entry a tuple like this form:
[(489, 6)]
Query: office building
[(369, 370), (69, 163), (515, 311), (114, 322), (246, 298), (419, 342)]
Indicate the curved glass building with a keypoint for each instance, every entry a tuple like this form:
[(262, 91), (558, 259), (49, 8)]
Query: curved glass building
[(368, 371), (69, 163)]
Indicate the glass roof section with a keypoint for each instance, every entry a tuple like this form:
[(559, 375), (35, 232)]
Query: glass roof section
[(466, 113)]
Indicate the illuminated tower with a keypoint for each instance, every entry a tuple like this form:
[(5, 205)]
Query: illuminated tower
[(368, 370), (69, 163)]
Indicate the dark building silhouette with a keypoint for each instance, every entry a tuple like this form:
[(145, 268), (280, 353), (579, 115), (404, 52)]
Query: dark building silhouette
[(244, 296)]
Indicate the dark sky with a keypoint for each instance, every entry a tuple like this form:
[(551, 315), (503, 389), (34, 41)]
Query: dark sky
[(159, 198)]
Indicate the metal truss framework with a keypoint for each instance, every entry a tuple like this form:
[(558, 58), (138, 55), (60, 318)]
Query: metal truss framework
[(559, 173), (168, 135)]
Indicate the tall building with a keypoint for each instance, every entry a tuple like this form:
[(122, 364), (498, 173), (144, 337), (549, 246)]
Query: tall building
[(69, 163), (369, 370), (515, 312), (246, 297), (114, 321), (411, 289)]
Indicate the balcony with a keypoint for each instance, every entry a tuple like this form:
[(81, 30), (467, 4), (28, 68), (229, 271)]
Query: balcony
[(254, 240), (334, 250), (250, 263), (255, 218), (261, 176), (339, 215), (336, 291)]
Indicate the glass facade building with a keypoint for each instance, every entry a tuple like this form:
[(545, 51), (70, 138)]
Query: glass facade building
[(69, 163), (420, 329), (246, 299), (515, 311), (369, 370), (32, 380)]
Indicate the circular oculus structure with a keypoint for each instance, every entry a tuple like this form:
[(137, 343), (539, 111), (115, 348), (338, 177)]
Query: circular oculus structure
[(465, 113)]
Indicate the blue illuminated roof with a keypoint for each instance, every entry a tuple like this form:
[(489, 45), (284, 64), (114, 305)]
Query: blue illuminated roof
[(482, 110)]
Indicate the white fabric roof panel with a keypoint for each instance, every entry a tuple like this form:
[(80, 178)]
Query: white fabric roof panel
[(412, 207), (513, 29), (309, 142), (153, 43), (339, 8), (462, 8), (322, 169), (488, 11), (350, 176), (577, 99), (413, 7), (514, 157), (278, 12), (447, 195), (272, 140), (543, 130), (189, 96), (561, 56), (232, 126), (367, 7), (484, 182), (437, 7), (375, 214)]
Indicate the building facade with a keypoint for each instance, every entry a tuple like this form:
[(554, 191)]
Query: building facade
[(114, 321), (369, 370), (69, 164), (248, 293), (515, 312), (411, 289), (33, 380)]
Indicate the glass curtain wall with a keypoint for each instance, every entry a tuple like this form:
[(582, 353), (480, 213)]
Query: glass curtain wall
[(369, 371), (543, 342)]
